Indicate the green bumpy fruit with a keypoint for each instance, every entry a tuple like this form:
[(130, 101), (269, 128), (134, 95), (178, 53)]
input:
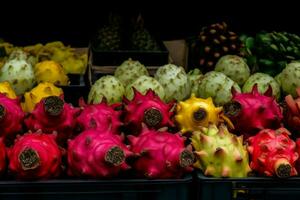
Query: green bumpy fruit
[(195, 76), (220, 153), (290, 78)]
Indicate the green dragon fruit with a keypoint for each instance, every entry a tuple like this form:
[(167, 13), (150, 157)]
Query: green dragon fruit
[(218, 86), (195, 77), (108, 87), (18, 72), (129, 71), (220, 153), (234, 67), (290, 78), (263, 81), (143, 84), (175, 82)]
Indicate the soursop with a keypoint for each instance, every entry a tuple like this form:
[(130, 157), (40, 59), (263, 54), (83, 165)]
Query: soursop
[(195, 77), (290, 78)]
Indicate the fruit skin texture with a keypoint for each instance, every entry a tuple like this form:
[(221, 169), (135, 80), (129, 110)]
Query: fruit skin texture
[(175, 82), (143, 84), (50, 71), (234, 67), (129, 71), (218, 86), (35, 156), (273, 153), (263, 81), (298, 151), (97, 154), (108, 88), (252, 112), (100, 117), (220, 153), (11, 117), (160, 154), (195, 112), (195, 77), (7, 90), (19, 73), (291, 113), (53, 114), (3, 157), (290, 77), (41, 91), (148, 109)]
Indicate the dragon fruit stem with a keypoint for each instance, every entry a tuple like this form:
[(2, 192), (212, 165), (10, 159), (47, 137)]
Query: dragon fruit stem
[(200, 114), (283, 168), (152, 117), (29, 159), (2, 112), (53, 105), (115, 156), (186, 158)]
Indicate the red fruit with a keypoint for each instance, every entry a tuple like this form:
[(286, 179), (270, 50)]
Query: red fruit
[(99, 116), (273, 153), (160, 154), (35, 156), (298, 151), (11, 117), (292, 112), (2, 156), (97, 154), (53, 114), (252, 112), (148, 109)]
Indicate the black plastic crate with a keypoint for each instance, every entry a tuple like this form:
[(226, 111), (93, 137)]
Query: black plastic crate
[(251, 188), (122, 189)]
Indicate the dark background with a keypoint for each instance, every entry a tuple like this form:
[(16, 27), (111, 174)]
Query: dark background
[(75, 22)]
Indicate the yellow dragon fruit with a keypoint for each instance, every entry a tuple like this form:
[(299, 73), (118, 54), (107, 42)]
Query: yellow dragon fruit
[(6, 89)]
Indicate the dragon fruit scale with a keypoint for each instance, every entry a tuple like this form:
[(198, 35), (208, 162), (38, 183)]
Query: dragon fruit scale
[(160, 154), (11, 117), (148, 109), (194, 113), (99, 116), (272, 153), (292, 112), (252, 112), (97, 154), (35, 156), (298, 151), (53, 114), (220, 153)]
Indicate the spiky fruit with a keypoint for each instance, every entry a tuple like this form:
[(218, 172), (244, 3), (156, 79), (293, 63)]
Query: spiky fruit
[(220, 153), (50, 71), (194, 113), (7, 90), (129, 71), (35, 156), (100, 117), (143, 84), (41, 91), (53, 114), (195, 77), (292, 113), (234, 67), (3, 157), (263, 82), (19, 73), (175, 82), (148, 109), (290, 78), (213, 42), (11, 117), (107, 87), (252, 112), (160, 154), (273, 153), (218, 86), (97, 154)]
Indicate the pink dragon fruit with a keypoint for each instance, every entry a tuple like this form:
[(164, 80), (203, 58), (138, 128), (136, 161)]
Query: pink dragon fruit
[(53, 114), (273, 153), (160, 154), (298, 151), (252, 112), (11, 117), (148, 109), (2, 156), (292, 112), (35, 156), (99, 116), (97, 154)]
